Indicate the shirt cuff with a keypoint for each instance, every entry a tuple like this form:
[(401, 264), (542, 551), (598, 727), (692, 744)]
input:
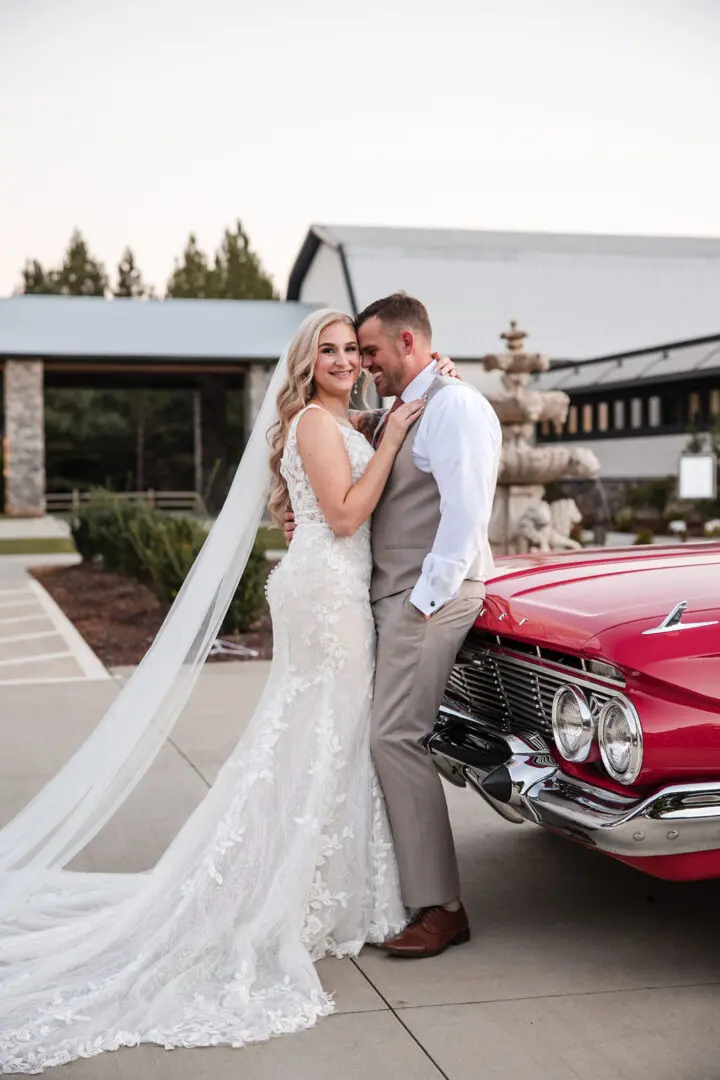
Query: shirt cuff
[(427, 599)]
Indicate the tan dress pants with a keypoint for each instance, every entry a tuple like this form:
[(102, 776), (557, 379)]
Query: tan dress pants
[(414, 660)]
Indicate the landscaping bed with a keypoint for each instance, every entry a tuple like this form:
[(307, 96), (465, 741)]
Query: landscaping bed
[(119, 617)]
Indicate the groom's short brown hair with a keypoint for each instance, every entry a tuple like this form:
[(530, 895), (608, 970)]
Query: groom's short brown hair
[(398, 311)]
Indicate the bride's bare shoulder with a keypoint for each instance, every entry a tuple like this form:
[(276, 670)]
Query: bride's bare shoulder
[(315, 426)]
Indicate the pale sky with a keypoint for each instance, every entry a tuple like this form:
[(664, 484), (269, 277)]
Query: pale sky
[(140, 120)]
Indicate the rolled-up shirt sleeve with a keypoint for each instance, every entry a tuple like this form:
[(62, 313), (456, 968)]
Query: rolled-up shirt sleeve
[(460, 446)]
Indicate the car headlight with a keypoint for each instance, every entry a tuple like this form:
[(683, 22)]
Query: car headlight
[(621, 740), (573, 724)]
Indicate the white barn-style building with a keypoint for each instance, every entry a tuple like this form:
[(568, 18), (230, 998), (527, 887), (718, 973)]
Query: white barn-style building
[(623, 301)]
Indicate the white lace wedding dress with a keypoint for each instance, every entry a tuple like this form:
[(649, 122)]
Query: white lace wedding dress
[(287, 859)]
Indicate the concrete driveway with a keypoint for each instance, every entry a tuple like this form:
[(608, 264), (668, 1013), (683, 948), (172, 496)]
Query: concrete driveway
[(578, 967)]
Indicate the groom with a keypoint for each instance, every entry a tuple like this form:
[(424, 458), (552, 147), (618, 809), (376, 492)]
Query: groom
[(431, 557)]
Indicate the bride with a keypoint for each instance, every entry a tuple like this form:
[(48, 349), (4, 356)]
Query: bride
[(289, 857)]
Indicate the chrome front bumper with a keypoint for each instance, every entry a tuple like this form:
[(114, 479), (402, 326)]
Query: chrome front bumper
[(520, 779)]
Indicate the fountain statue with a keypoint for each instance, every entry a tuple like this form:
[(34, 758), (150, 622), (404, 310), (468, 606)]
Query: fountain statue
[(522, 520)]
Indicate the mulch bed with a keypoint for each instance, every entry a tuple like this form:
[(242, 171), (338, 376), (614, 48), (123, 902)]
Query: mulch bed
[(119, 617)]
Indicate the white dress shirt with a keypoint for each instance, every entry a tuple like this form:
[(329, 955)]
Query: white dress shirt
[(458, 441)]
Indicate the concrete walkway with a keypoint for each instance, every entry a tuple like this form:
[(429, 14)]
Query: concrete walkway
[(579, 969), (39, 528)]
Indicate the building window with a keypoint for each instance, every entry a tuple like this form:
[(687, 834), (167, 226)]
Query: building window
[(715, 405), (603, 416), (572, 420), (654, 412), (618, 415), (636, 412), (694, 410), (671, 407), (587, 419)]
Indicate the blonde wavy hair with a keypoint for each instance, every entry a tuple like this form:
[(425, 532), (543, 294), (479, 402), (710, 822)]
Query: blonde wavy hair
[(295, 395)]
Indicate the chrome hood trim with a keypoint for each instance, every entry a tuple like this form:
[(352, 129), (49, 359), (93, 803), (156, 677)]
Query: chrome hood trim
[(673, 621)]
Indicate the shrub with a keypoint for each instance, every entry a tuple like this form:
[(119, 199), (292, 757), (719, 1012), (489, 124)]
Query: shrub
[(652, 494), (625, 519), (644, 536), (158, 549), (99, 527)]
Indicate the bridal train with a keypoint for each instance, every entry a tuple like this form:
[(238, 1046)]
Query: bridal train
[(288, 858)]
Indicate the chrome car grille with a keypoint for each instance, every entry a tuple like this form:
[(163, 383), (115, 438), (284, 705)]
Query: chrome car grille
[(511, 690)]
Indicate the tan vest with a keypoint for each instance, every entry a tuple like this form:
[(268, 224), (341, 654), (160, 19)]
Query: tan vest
[(406, 521)]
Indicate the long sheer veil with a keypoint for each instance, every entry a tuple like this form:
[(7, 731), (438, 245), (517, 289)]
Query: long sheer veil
[(72, 807)]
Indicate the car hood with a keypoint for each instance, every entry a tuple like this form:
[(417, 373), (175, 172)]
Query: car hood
[(566, 599)]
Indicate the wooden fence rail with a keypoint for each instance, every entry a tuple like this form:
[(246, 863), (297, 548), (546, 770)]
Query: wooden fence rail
[(67, 501)]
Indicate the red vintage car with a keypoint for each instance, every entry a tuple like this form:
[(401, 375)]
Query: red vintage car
[(586, 699)]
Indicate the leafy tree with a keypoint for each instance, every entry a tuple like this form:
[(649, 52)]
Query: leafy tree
[(238, 273), (129, 278), (123, 439), (192, 277)]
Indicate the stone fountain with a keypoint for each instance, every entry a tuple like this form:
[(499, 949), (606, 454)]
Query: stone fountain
[(522, 520)]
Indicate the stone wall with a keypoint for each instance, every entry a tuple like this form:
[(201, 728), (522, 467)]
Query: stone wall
[(24, 443), (257, 378)]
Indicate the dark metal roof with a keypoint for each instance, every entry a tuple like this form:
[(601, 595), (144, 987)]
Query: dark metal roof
[(698, 358)]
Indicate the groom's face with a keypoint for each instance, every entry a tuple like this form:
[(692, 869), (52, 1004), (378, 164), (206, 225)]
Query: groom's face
[(383, 355)]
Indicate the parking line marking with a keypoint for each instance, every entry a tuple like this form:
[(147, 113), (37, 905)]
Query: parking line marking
[(89, 663), (48, 681), (23, 618), (30, 637), (36, 659)]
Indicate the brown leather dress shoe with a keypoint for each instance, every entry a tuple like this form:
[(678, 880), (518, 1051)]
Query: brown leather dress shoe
[(431, 932)]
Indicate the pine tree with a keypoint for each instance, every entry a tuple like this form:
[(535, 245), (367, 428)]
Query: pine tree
[(238, 272), (129, 278), (80, 274), (36, 279), (192, 277)]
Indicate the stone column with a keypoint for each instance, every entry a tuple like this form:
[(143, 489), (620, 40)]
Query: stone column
[(24, 442), (257, 378)]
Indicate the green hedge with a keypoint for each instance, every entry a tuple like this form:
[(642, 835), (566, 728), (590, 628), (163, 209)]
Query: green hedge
[(158, 549)]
